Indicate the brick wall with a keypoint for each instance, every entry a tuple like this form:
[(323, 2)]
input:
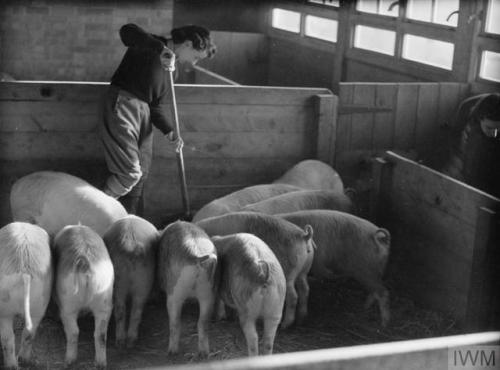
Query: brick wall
[(73, 40)]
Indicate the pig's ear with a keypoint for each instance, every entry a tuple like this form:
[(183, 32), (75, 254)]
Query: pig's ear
[(383, 237), (308, 232)]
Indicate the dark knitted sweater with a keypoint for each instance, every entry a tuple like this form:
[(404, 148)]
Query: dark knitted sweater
[(140, 73)]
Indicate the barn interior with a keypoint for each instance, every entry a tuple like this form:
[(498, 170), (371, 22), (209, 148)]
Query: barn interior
[(370, 87)]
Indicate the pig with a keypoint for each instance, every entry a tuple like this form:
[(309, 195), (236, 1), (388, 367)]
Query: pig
[(53, 200), (292, 245), (239, 199), (26, 274), (312, 174), (252, 282), (187, 267), (84, 281), (351, 246), (132, 244), (301, 200)]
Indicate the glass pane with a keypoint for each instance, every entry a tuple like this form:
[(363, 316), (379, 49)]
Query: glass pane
[(493, 17), (286, 20), (490, 66), (443, 9), (374, 39), (321, 28), (384, 8), (368, 6), (429, 51), (420, 10), (326, 2)]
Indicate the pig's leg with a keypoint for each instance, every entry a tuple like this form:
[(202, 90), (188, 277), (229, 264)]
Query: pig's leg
[(71, 329), (250, 331), (138, 302), (382, 297), (221, 310), (120, 311), (26, 350), (269, 333), (206, 302), (8, 343), (101, 321), (290, 304), (303, 294), (174, 308)]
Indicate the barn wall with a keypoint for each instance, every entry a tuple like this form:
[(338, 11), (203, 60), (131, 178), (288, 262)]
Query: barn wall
[(72, 40), (235, 136)]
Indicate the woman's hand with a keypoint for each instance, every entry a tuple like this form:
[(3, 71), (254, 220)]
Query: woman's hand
[(167, 58)]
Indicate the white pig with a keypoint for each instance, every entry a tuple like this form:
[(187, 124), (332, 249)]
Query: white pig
[(84, 281), (312, 174), (292, 246), (349, 245), (53, 200), (132, 244), (301, 200), (187, 265), (25, 285), (240, 198), (252, 282)]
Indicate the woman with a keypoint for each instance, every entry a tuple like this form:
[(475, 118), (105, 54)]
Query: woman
[(476, 160), (139, 98)]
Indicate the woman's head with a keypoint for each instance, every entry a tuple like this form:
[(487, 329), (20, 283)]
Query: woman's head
[(487, 111), (192, 43)]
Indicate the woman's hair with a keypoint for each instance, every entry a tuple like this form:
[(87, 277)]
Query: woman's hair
[(199, 36), (487, 107)]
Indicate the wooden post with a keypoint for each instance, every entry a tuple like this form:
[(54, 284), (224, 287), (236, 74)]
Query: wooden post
[(326, 118), (482, 302), (343, 43), (380, 178)]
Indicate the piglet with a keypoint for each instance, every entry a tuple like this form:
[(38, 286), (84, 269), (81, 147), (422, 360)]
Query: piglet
[(84, 281), (132, 243), (25, 285), (187, 265), (252, 282)]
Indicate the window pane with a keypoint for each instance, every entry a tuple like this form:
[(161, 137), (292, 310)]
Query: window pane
[(374, 39), (384, 8), (443, 9), (490, 66), (493, 17), (321, 28), (420, 10), (326, 2), (429, 51), (286, 20), (368, 6)]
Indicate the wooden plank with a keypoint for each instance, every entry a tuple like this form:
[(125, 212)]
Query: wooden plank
[(428, 353), (427, 109), (326, 119), (362, 123), (483, 297), (449, 100), (343, 136), (406, 116), (383, 130)]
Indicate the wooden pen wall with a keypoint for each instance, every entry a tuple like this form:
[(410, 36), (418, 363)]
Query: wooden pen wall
[(235, 136)]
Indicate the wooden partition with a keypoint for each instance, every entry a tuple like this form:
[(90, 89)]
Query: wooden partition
[(445, 239), (235, 136), (409, 117)]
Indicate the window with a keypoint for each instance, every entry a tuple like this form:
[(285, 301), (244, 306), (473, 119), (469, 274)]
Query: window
[(374, 39), (321, 28), (428, 51), (435, 11), (493, 17), (490, 66), (335, 3), (383, 7), (286, 20)]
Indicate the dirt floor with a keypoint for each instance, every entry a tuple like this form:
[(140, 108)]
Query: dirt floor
[(336, 318)]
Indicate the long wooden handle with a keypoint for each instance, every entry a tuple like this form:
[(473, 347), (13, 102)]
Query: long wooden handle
[(180, 157)]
